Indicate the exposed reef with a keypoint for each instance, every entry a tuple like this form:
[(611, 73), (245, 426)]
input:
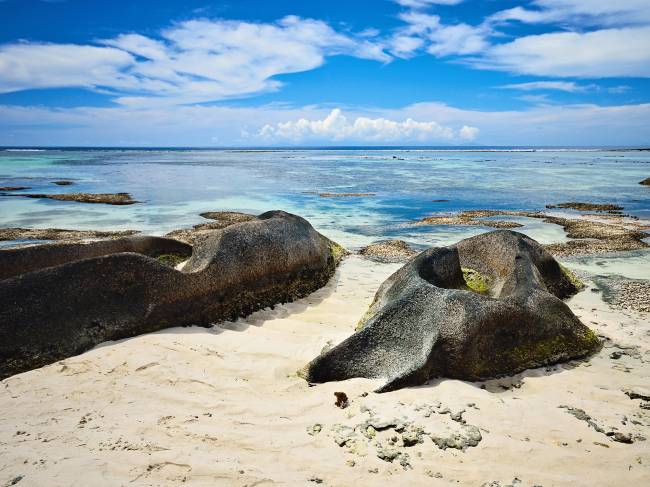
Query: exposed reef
[(645, 182), (590, 236), (473, 217), (103, 198), (55, 312), (58, 234), (221, 219), (503, 315), (575, 205), (388, 251)]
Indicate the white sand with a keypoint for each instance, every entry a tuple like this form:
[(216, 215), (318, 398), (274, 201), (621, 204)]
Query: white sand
[(223, 406)]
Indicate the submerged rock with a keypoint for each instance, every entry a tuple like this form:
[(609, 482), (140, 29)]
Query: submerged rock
[(56, 312), (13, 188), (426, 321)]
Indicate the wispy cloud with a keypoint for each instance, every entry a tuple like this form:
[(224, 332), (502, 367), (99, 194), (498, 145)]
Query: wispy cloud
[(593, 39), (421, 4), (194, 61), (568, 86)]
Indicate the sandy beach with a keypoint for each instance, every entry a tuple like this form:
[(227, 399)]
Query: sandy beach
[(224, 406)]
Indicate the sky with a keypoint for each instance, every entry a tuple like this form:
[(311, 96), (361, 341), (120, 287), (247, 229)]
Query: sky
[(318, 73)]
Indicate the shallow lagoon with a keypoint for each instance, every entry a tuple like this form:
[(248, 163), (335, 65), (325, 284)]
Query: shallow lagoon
[(176, 185)]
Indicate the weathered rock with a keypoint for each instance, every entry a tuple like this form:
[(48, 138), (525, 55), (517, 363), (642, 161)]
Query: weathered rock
[(13, 188), (53, 313), (63, 182), (645, 182), (468, 436), (426, 322), (29, 259), (388, 251), (105, 198)]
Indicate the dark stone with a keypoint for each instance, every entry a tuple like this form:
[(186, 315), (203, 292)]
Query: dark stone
[(56, 312), (29, 259), (13, 188), (426, 322), (645, 182), (341, 400), (62, 183)]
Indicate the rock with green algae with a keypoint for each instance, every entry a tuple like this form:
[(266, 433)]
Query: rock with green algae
[(426, 321)]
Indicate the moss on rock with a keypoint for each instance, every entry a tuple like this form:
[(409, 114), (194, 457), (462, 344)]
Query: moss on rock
[(171, 260), (579, 285), (476, 281)]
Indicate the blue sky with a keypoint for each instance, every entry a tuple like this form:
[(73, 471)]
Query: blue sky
[(373, 72)]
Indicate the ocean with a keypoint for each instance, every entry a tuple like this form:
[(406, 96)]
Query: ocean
[(407, 184)]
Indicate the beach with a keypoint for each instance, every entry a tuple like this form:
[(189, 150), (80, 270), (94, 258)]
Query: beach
[(223, 406), (227, 404)]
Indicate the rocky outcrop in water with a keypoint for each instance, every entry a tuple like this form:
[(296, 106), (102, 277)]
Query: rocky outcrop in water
[(428, 320), (645, 182), (59, 234), (59, 311), (105, 198)]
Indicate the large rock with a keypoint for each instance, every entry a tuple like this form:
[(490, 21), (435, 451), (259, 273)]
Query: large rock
[(28, 259), (488, 306), (56, 312)]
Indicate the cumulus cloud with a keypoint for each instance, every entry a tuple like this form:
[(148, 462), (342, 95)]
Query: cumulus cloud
[(194, 61), (336, 127), (198, 125)]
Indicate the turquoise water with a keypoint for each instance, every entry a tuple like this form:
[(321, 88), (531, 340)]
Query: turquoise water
[(176, 185)]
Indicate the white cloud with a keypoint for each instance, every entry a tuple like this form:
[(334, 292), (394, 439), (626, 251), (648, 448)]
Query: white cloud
[(418, 4), (336, 127), (597, 54), (584, 124), (618, 47), (439, 39), (580, 12), (568, 86), (194, 61)]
